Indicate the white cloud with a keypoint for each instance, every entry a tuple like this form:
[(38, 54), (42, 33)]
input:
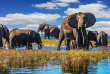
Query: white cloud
[(59, 26), (101, 26), (64, 16), (31, 26), (98, 9), (34, 18), (55, 4), (50, 5)]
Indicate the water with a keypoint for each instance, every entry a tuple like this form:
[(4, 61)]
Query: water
[(108, 37), (62, 48), (101, 67)]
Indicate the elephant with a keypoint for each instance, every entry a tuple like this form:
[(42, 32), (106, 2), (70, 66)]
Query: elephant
[(92, 36), (4, 32), (50, 30), (77, 22), (22, 37), (102, 39)]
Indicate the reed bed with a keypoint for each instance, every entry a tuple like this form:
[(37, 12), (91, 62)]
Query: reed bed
[(27, 58)]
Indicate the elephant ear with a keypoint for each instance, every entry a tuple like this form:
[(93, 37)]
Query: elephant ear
[(46, 27), (6, 31), (72, 22), (90, 19)]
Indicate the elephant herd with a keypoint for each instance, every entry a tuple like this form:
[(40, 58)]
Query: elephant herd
[(73, 30)]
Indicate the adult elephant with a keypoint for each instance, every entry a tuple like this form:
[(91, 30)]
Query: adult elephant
[(77, 22), (50, 30), (4, 32), (22, 37), (102, 39)]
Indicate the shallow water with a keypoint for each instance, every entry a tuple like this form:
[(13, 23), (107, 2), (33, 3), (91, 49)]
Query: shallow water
[(62, 48)]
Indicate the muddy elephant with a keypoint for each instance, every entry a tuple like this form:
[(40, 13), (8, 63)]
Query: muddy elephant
[(50, 30), (102, 39), (24, 37), (78, 21), (4, 32)]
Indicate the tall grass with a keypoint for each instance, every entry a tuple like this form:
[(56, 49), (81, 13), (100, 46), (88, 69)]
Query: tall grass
[(28, 58)]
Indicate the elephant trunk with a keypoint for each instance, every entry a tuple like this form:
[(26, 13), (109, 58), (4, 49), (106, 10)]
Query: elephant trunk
[(38, 30), (39, 45), (83, 37)]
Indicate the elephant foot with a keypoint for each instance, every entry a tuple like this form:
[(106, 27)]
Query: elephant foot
[(58, 49), (67, 49)]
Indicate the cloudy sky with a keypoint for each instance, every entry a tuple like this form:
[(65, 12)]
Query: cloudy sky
[(29, 14)]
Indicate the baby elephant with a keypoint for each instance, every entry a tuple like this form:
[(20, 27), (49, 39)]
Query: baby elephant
[(102, 39), (22, 37)]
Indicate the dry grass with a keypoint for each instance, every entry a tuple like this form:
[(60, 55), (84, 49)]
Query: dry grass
[(71, 61), (27, 58)]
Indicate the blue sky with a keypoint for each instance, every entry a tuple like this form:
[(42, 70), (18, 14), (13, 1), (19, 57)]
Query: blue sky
[(28, 14)]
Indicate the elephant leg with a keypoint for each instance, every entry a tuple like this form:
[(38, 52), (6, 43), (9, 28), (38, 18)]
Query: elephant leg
[(44, 37), (87, 42), (12, 46), (28, 45), (1, 43), (71, 45), (61, 38), (65, 42), (68, 45), (48, 37)]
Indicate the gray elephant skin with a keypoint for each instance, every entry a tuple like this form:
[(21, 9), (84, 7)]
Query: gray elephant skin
[(4, 32), (22, 37), (102, 39), (50, 30), (92, 36), (74, 28)]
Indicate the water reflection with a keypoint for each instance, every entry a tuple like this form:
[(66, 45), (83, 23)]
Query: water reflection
[(92, 66), (63, 48)]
